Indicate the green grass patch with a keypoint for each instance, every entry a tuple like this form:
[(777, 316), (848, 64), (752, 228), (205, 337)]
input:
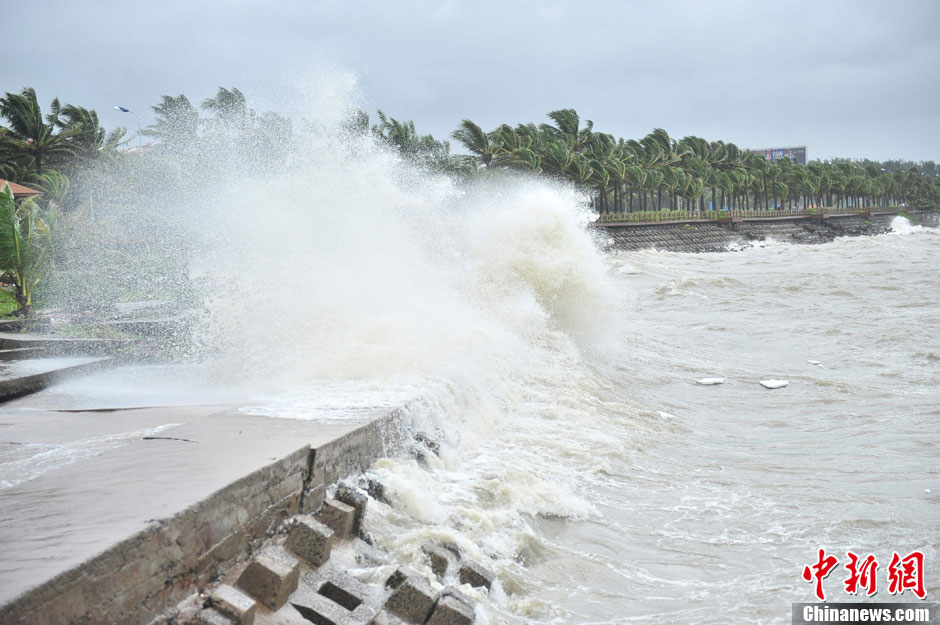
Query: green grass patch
[(8, 304), (89, 331)]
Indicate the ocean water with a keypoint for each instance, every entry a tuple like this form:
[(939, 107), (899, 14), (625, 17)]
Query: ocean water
[(580, 461), (603, 485)]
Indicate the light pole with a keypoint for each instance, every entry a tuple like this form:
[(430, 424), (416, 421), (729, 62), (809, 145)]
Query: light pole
[(124, 109)]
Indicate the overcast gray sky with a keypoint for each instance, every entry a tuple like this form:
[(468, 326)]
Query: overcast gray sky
[(845, 78)]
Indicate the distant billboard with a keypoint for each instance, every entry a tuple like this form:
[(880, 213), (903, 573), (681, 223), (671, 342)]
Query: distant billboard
[(797, 154)]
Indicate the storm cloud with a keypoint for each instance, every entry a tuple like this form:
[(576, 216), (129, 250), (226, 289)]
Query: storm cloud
[(845, 78)]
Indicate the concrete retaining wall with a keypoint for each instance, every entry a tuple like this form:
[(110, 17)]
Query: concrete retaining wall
[(931, 220), (349, 455), (715, 237), (142, 577)]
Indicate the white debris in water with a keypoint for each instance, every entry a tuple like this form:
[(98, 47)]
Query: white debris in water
[(710, 381), (774, 383)]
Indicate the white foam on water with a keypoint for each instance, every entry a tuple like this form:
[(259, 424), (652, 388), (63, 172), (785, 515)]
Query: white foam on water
[(348, 281), (368, 285), (902, 226)]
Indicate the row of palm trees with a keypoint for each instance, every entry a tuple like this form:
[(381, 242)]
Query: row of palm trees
[(622, 175), (44, 151), (69, 143), (659, 172)]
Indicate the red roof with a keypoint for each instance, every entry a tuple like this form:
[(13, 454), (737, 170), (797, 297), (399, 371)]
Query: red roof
[(19, 191)]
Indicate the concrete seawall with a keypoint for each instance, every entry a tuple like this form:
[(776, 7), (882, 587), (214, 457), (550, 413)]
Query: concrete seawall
[(121, 537), (720, 237)]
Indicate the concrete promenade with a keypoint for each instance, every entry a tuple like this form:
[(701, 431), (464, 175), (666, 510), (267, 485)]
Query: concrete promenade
[(115, 515)]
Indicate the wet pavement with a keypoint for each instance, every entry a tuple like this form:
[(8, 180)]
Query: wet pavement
[(78, 478)]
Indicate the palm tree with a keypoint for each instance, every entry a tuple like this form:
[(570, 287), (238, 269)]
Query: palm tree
[(54, 186), (635, 181), (28, 138), (177, 122), (630, 171), (616, 168), (401, 135), (85, 135), (425, 150), (579, 170), (476, 141), (568, 127), (556, 157), (697, 171), (230, 109)]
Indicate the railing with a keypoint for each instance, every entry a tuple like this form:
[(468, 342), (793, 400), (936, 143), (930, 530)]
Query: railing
[(687, 216)]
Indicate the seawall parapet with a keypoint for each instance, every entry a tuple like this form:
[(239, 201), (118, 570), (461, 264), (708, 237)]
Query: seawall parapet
[(122, 537), (723, 237)]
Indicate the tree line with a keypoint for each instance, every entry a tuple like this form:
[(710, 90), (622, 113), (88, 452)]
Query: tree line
[(659, 172), (654, 172), (104, 191)]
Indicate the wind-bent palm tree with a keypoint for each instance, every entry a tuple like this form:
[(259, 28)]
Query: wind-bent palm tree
[(476, 141), (28, 139), (568, 127), (616, 168), (177, 122), (230, 109), (623, 173), (425, 150), (85, 135)]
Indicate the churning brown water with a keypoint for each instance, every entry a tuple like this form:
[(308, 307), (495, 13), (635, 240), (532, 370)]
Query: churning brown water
[(606, 486), (581, 461)]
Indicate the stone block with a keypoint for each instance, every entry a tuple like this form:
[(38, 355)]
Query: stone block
[(451, 611), (339, 517), (233, 603), (384, 618), (286, 615), (368, 554), (313, 498), (208, 616), (345, 590), (432, 445), (454, 549), (310, 540), (318, 609), (271, 577), (475, 574), (398, 576), (352, 497), (450, 591), (441, 559), (413, 599), (376, 489)]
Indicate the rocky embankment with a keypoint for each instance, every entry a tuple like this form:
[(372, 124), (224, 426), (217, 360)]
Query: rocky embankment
[(324, 568), (714, 237)]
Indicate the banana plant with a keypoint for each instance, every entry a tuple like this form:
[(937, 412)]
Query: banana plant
[(25, 246)]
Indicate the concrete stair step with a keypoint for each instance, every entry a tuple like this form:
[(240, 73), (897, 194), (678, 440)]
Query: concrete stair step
[(22, 377), (57, 344)]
